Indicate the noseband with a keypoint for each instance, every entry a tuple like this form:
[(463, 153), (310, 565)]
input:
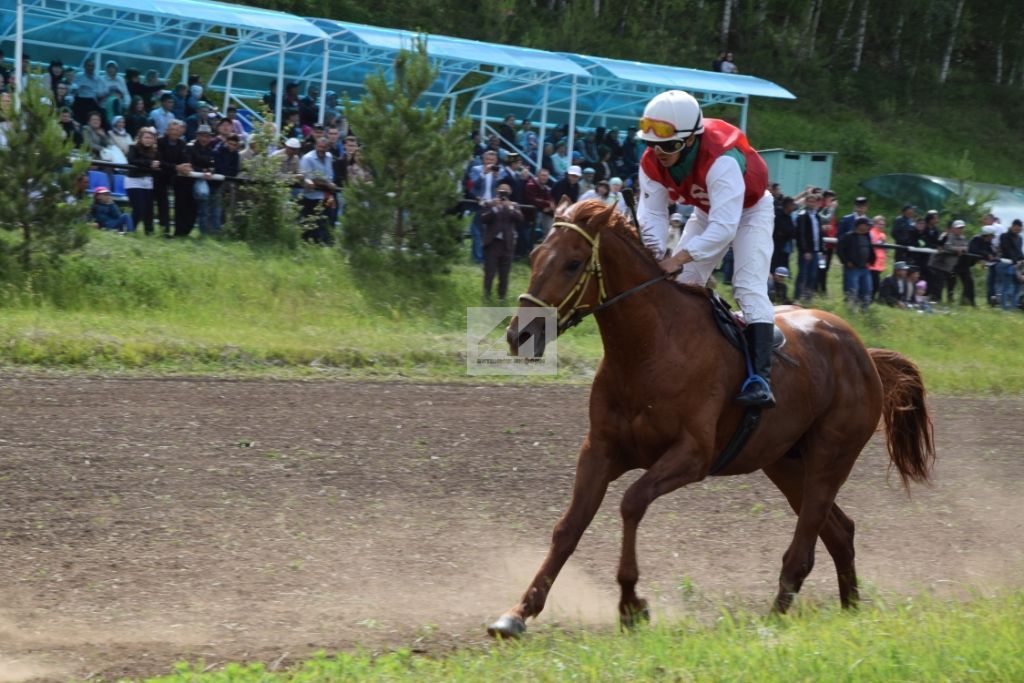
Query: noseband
[(580, 310)]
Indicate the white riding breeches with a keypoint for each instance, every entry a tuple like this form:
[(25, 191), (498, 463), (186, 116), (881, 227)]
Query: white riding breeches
[(752, 255)]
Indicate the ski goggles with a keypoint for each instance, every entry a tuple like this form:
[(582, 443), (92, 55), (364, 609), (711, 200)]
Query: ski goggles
[(666, 146), (663, 129)]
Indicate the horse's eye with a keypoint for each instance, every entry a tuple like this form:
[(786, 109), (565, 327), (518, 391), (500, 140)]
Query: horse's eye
[(573, 266)]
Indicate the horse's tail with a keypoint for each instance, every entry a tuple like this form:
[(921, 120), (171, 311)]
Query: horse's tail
[(908, 427)]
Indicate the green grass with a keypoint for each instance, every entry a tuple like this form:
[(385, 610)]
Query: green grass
[(930, 641), (140, 304)]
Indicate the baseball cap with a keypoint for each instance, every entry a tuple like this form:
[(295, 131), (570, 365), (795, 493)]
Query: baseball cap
[(958, 224), (203, 129), (575, 170), (615, 181), (900, 265), (588, 170), (676, 217), (860, 200), (862, 220), (293, 143), (989, 230), (908, 206), (782, 271), (101, 190)]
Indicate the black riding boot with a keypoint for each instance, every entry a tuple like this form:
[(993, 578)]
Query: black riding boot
[(759, 341)]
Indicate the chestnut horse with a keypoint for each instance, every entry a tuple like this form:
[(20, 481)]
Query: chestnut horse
[(662, 401)]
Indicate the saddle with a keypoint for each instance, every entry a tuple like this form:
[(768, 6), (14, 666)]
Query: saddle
[(731, 324)]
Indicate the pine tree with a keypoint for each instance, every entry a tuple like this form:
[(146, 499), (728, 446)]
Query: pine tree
[(416, 160), (37, 181)]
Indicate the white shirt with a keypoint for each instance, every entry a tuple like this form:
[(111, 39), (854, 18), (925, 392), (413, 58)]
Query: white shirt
[(726, 188)]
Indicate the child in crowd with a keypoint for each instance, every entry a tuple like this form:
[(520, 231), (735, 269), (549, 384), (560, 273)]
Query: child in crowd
[(107, 214)]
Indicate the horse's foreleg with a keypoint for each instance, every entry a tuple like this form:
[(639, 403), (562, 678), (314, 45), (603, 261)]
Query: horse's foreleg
[(594, 470), (678, 467)]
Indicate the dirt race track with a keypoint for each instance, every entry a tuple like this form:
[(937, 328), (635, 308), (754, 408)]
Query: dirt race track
[(146, 521)]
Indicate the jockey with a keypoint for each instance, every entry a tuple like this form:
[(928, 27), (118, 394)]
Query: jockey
[(709, 164)]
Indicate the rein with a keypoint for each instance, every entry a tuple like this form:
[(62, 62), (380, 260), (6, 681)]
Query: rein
[(579, 310)]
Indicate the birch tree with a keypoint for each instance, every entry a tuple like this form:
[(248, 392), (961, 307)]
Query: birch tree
[(948, 54), (862, 29)]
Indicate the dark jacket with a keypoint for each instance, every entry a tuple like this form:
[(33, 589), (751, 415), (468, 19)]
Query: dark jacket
[(170, 156), (805, 233), (1010, 246), (500, 226), (903, 230), (563, 187), (784, 230), (891, 293), (856, 250), (140, 161), (981, 248), (539, 195), (107, 215), (201, 157)]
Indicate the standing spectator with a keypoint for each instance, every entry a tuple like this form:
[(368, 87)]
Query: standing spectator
[(615, 197), (567, 190), (172, 153), (483, 183), (144, 91), (728, 66), (903, 230), (1010, 248), (164, 114), (107, 214), (951, 247), (808, 241), (226, 162), (860, 208), (290, 157), (783, 233), (922, 240), (356, 170), (182, 109), (716, 63), (538, 194), (876, 269), (600, 191), (828, 212), (507, 132), (200, 118), (116, 95), (317, 168), (63, 96), (856, 253), (237, 128), (587, 182), (143, 162), (200, 156), (137, 117), (982, 248), (896, 290), (91, 87), (309, 109), (119, 135), (500, 217)]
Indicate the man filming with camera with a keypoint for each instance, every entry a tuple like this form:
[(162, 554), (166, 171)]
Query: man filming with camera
[(499, 216), (483, 183)]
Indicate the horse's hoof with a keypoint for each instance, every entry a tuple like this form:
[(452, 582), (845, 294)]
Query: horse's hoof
[(632, 616), (507, 628)]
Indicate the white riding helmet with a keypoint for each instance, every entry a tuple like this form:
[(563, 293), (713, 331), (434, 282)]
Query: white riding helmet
[(679, 110)]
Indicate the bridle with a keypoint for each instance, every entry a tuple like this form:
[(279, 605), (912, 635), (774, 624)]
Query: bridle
[(580, 310)]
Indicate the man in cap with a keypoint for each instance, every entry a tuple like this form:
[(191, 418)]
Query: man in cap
[(982, 248), (856, 253), (1010, 249), (709, 164), (200, 156), (567, 190), (289, 157), (777, 290), (847, 223), (896, 290), (587, 182), (942, 264)]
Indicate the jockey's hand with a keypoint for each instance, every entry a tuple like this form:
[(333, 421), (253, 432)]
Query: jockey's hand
[(674, 263)]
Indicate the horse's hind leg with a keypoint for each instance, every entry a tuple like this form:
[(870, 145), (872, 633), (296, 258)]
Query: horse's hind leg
[(676, 468), (594, 471), (837, 533), (811, 491)]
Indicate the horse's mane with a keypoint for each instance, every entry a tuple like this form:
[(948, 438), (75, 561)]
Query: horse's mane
[(592, 215)]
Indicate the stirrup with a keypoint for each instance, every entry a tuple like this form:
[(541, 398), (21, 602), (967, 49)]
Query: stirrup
[(756, 379)]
